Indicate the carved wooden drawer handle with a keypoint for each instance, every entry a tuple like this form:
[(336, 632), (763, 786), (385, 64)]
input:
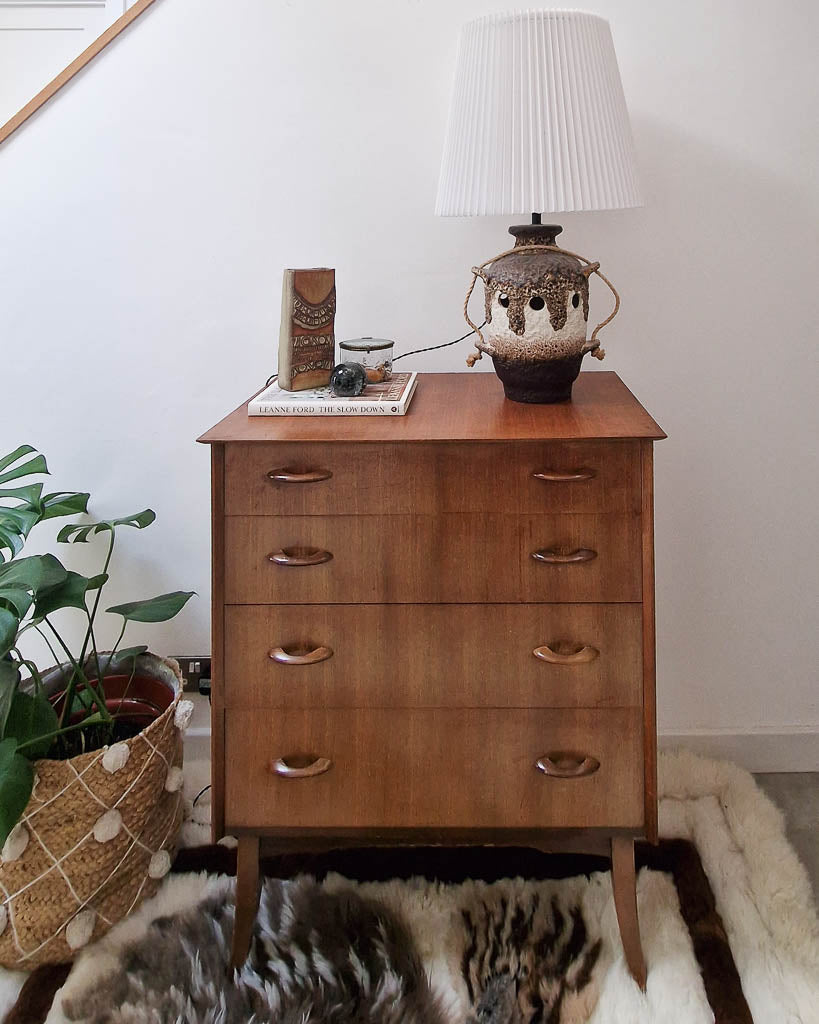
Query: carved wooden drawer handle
[(300, 556), (318, 767), (555, 476), (559, 556), (559, 654), (293, 476), (567, 766), (300, 655)]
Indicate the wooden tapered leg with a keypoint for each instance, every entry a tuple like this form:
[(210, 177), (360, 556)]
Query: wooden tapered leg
[(247, 897), (624, 882)]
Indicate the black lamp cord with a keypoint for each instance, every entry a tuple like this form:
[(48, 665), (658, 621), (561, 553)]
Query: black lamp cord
[(414, 352)]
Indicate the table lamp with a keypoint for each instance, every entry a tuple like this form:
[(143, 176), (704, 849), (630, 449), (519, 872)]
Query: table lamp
[(538, 122)]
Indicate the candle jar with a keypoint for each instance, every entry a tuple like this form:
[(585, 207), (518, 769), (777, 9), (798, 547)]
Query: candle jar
[(374, 354)]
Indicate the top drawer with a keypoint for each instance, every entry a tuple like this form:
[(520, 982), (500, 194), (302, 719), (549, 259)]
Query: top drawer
[(384, 479)]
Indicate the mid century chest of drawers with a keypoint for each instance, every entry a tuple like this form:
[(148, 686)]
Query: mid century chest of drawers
[(437, 628)]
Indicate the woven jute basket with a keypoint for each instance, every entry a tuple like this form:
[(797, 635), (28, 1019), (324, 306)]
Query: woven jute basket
[(96, 838)]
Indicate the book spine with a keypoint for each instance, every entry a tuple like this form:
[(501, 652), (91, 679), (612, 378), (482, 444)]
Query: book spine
[(258, 408)]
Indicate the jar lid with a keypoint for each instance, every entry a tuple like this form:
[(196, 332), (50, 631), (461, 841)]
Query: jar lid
[(365, 344)]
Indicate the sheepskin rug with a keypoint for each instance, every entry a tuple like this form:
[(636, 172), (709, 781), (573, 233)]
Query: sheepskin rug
[(421, 947)]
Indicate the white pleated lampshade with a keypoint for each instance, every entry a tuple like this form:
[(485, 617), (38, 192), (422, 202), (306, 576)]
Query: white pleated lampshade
[(538, 121)]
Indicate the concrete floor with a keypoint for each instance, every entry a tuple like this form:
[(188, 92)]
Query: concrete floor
[(797, 794)]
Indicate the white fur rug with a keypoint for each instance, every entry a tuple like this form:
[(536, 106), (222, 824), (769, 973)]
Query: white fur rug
[(762, 893)]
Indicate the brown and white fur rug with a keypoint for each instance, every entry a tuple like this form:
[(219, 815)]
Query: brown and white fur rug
[(507, 951)]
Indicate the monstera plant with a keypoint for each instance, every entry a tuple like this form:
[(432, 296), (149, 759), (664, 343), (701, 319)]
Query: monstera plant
[(38, 717)]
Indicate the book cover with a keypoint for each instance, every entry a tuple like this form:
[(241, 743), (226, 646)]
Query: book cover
[(388, 398), (307, 343)]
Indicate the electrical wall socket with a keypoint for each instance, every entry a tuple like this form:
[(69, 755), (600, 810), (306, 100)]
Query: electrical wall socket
[(194, 668)]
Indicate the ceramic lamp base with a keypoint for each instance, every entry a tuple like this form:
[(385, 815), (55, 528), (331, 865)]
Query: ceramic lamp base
[(540, 383)]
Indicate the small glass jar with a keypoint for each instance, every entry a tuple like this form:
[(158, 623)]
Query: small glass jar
[(374, 354)]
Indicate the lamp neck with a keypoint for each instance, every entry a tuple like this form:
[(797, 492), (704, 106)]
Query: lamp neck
[(535, 233)]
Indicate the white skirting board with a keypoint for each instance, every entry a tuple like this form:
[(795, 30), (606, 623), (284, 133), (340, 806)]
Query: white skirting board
[(764, 750)]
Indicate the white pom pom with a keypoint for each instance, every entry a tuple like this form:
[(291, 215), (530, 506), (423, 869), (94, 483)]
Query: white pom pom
[(116, 757), (183, 714), (174, 780), (231, 842), (160, 864), (4, 919), (79, 929), (108, 826), (15, 844)]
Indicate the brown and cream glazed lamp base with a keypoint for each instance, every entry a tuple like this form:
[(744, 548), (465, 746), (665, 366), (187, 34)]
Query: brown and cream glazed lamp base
[(536, 299)]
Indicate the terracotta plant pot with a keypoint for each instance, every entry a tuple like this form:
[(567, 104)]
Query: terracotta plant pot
[(140, 699), (100, 829)]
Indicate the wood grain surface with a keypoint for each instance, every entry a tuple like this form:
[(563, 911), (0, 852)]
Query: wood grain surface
[(369, 479), (422, 558), (433, 655), (430, 768), (466, 406)]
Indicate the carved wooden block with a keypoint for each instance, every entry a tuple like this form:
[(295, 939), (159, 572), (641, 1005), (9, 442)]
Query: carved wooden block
[(307, 341)]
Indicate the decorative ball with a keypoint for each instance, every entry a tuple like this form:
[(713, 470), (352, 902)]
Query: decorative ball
[(183, 714), (347, 380), (116, 757), (160, 864), (108, 826), (80, 929), (174, 780), (15, 844)]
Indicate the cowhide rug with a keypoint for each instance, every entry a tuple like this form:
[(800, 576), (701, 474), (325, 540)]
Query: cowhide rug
[(499, 953)]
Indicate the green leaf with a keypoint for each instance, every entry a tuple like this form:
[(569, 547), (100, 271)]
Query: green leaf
[(154, 609), (35, 465), (30, 718), (9, 624), (9, 677), (70, 593), (16, 600), (16, 783), (21, 519), (74, 533), (64, 503), (30, 493), (35, 573), (127, 654), (78, 533), (10, 540)]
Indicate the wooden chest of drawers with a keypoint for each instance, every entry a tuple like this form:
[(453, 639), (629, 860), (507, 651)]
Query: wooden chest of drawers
[(437, 627)]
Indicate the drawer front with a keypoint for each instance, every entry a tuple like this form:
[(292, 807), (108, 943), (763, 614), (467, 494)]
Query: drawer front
[(497, 655), (445, 558), (580, 558), (360, 479), (433, 769)]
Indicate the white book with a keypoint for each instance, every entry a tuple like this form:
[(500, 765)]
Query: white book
[(389, 398)]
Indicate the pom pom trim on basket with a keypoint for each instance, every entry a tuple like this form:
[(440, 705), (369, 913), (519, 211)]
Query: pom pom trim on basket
[(94, 839)]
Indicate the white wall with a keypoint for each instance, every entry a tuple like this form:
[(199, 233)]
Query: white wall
[(146, 215)]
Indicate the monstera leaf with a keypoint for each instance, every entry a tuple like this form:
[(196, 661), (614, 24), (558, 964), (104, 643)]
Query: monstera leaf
[(16, 782), (79, 533), (17, 520)]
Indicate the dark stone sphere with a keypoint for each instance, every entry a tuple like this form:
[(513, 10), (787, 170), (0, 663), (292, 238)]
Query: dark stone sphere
[(347, 380)]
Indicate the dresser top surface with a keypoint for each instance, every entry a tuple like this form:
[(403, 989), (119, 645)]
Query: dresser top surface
[(463, 407)]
